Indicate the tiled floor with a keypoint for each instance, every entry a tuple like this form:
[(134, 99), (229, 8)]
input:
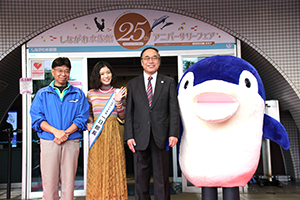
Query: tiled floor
[(289, 191)]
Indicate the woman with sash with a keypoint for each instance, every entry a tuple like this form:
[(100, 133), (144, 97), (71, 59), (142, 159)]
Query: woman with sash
[(106, 173)]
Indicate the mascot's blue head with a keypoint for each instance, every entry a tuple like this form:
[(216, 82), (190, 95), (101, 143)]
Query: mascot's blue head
[(226, 68)]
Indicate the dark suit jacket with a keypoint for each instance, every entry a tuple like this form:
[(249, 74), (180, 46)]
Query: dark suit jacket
[(162, 117)]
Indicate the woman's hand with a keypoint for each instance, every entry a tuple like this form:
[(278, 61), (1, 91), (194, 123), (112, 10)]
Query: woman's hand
[(89, 126), (121, 93)]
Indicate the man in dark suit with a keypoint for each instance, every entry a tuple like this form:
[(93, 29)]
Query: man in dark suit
[(151, 125)]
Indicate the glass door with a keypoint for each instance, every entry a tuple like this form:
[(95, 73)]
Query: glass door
[(42, 79), (185, 61)]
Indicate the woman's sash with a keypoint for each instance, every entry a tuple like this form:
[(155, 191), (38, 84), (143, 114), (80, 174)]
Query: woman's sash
[(99, 123)]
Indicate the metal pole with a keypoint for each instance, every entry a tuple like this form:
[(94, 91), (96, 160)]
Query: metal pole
[(266, 158), (9, 164)]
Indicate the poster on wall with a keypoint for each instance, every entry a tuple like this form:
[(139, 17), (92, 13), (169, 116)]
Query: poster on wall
[(37, 70), (125, 30), (25, 85)]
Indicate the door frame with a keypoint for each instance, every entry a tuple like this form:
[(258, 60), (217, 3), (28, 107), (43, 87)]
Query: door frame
[(26, 102)]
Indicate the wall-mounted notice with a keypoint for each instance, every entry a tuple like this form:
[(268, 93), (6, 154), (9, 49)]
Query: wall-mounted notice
[(25, 85), (37, 70)]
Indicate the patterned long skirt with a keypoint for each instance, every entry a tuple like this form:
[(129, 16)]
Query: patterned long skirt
[(106, 173)]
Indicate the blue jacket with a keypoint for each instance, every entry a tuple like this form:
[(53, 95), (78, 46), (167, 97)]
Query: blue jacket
[(59, 113)]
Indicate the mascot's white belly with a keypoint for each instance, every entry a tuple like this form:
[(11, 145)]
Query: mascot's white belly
[(221, 141)]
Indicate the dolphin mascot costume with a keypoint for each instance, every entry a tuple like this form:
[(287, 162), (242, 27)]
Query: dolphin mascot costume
[(222, 104)]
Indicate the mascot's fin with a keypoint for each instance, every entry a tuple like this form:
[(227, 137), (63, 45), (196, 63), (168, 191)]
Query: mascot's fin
[(274, 131)]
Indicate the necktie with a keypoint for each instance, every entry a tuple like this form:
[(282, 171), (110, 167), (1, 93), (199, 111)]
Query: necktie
[(149, 91)]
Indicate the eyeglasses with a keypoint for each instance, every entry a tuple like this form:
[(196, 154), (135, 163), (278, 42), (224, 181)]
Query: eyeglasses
[(147, 58), (60, 71)]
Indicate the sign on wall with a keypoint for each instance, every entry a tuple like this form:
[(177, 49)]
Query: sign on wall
[(37, 70), (122, 30), (25, 85)]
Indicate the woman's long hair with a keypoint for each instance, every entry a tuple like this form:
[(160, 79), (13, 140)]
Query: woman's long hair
[(95, 82)]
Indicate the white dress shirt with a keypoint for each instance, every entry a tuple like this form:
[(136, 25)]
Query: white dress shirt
[(153, 81)]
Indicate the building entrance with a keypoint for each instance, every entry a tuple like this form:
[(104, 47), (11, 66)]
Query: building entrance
[(127, 66)]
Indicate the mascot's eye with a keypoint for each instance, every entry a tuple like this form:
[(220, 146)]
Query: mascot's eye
[(247, 83), (186, 84)]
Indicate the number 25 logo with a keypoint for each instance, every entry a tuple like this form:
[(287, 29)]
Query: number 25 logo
[(132, 31)]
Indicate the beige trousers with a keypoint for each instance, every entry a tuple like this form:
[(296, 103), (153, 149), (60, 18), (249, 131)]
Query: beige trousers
[(59, 165)]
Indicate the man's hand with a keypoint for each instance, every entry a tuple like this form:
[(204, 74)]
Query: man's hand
[(60, 136), (131, 144), (173, 141), (57, 141)]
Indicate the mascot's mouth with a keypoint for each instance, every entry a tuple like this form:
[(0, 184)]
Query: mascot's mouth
[(215, 107)]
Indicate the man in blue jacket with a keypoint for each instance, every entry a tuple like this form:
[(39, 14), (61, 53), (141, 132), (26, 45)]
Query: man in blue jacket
[(59, 113)]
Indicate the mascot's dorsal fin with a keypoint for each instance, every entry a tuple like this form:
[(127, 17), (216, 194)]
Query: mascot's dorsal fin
[(274, 131)]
